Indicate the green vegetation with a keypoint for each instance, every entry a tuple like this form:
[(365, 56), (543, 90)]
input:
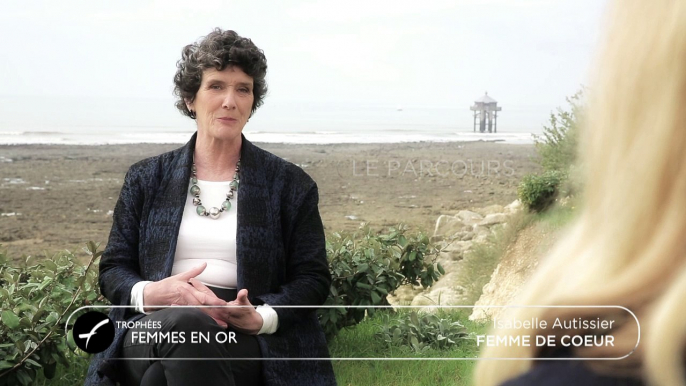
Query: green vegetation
[(366, 267), (557, 153), (363, 341), (36, 301), (538, 191), (558, 216), (557, 146), (73, 375), (421, 332)]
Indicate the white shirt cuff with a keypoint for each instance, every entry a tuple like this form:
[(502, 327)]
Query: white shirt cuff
[(270, 319), (137, 296)]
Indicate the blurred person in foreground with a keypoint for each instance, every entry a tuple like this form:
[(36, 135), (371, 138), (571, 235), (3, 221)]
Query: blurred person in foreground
[(216, 222), (628, 244)]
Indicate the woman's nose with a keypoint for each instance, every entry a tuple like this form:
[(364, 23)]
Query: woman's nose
[(229, 100)]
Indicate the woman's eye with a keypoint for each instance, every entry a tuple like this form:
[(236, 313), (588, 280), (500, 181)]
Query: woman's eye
[(244, 90), (215, 87)]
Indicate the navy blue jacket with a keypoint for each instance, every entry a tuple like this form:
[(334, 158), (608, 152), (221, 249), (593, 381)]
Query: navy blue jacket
[(280, 245), (568, 373)]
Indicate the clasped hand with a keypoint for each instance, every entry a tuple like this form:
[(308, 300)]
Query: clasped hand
[(184, 289)]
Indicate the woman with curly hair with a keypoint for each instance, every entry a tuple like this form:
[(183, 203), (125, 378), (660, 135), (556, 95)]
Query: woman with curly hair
[(627, 245), (216, 222)]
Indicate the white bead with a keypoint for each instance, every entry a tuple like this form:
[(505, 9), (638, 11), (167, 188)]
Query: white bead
[(214, 213)]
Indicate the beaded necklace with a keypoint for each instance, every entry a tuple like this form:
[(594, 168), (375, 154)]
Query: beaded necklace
[(214, 212)]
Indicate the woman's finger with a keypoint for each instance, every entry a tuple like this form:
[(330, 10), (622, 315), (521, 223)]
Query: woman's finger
[(197, 284), (188, 296), (201, 297), (242, 298), (193, 272)]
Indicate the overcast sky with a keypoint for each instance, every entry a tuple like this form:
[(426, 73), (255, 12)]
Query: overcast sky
[(525, 53)]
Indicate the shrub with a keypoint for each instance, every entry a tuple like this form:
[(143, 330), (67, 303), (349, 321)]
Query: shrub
[(366, 267), (422, 332), (557, 146), (537, 192), (36, 301)]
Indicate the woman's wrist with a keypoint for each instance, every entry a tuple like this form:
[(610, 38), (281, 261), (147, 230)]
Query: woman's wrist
[(136, 299), (259, 322), (149, 297)]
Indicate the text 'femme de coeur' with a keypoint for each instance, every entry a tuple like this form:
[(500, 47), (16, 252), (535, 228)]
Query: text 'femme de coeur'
[(582, 333)]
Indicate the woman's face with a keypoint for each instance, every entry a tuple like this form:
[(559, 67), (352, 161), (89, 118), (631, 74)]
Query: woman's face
[(223, 103)]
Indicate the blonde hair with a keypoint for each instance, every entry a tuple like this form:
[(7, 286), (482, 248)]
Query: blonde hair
[(627, 245)]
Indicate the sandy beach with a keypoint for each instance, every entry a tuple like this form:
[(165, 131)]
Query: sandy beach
[(55, 197)]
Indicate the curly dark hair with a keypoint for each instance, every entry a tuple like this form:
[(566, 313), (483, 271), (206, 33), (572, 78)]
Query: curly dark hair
[(218, 50)]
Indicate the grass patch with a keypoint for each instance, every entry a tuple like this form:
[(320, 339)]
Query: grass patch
[(481, 261), (558, 216), (361, 342)]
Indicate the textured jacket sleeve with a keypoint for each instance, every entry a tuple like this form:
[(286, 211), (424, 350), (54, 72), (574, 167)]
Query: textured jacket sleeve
[(119, 267), (307, 272)]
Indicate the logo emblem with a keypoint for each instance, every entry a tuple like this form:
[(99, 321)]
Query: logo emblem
[(93, 332)]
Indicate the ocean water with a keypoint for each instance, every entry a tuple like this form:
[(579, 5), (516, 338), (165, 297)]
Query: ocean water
[(96, 121)]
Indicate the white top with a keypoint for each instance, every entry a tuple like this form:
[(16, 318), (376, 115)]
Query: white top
[(203, 239), (206, 240)]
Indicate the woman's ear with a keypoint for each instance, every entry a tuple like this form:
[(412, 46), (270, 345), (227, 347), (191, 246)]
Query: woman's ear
[(189, 104)]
